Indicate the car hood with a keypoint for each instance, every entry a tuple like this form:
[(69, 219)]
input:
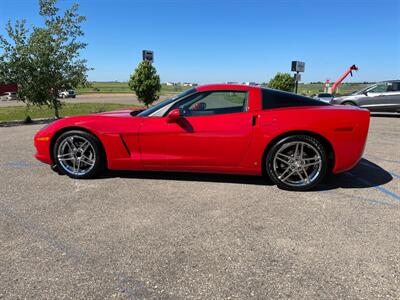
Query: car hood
[(99, 123), (349, 97), (121, 113)]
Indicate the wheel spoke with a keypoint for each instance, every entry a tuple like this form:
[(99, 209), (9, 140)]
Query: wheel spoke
[(316, 158), (84, 146), (307, 179), (283, 155), (282, 160), (311, 164), (66, 156), (70, 143), (301, 176), (74, 166), (296, 150), (78, 166), (301, 150), (287, 176), (87, 160)]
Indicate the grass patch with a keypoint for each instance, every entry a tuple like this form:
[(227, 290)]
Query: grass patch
[(105, 88), (12, 113), (122, 88)]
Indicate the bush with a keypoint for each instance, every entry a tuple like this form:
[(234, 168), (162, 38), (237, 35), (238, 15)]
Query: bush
[(27, 120), (283, 82)]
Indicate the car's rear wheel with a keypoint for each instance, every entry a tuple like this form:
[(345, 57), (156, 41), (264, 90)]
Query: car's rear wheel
[(297, 163), (78, 154)]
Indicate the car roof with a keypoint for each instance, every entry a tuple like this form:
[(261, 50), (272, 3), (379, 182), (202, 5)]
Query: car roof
[(395, 80), (225, 86)]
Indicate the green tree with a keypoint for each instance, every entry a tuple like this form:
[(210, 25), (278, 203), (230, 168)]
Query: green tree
[(145, 83), (283, 82), (44, 60)]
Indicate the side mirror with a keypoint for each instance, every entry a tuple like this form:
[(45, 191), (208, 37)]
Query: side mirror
[(365, 93), (174, 115)]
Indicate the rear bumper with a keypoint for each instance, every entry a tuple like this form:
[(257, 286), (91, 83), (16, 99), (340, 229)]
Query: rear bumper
[(350, 145)]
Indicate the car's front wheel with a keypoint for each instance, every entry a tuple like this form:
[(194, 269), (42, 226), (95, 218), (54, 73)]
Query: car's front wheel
[(78, 154), (297, 163)]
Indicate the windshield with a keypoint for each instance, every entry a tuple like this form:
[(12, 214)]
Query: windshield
[(362, 91), (158, 106)]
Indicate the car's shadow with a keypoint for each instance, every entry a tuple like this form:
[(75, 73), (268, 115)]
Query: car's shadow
[(366, 174)]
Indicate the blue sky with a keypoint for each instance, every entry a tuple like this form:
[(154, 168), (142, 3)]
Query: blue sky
[(218, 41)]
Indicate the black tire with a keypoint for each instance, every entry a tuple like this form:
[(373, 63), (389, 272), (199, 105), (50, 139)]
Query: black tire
[(97, 159), (349, 103), (314, 146)]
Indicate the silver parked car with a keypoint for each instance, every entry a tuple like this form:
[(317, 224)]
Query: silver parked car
[(379, 97), (326, 97)]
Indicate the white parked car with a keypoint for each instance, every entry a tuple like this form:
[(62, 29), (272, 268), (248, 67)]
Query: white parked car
[(9, 96), (67, 94)]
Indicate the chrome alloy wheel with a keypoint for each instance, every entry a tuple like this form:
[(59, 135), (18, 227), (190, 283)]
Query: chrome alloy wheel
[(76, 155), (297, 164)]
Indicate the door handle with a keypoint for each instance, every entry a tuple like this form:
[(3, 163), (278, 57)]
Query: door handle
[(254, 120)]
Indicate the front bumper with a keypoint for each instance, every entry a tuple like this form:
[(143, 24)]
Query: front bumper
[(42, 145)]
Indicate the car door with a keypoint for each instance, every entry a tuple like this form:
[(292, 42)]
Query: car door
[(215, 130), (154, 136), (376, 98), (392, 97)]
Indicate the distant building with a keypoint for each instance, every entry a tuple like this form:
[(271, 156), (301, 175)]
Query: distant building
[(250, 83), (8, 88), (243, 83), (170, 83), (189, 84)]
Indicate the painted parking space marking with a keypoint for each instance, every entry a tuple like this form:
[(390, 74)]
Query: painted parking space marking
[(378, 188)]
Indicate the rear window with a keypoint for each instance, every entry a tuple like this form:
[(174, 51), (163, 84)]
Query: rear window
[(276, 99)]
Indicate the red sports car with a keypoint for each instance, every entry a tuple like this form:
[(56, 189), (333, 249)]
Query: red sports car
[(222, 128)]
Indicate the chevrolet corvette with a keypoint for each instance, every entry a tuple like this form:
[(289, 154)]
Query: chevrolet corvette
[(293, 140)]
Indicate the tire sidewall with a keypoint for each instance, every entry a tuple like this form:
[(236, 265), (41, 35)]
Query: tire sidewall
[(268, 163), (99, 163)]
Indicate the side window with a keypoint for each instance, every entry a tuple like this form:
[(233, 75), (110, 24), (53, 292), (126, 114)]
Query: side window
[(394, 86), (215, 103), (278, 99), (379, 88)]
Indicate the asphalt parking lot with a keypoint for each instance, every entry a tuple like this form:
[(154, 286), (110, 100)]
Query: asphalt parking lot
[(131, 235)]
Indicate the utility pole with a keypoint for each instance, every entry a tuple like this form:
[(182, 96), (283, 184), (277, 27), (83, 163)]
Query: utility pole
[(297, 66)]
